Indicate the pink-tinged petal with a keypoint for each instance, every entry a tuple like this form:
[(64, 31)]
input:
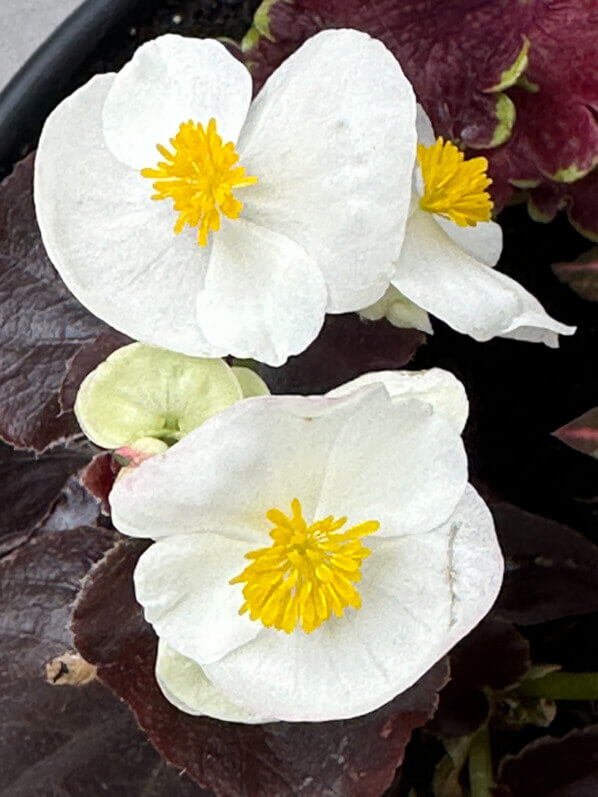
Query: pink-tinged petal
[(582, 433), (581, 275)]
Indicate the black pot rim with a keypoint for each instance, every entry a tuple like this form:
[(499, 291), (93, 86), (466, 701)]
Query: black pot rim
[(37, 87)]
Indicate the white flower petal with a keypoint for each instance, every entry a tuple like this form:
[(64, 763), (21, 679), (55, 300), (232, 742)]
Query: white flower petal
[(264, 296), (183, 585), (402, 465), (425, 131), (420, 595), (476, 564), (186, 686), (436, 386), (223, 477), (472, 298), (168, 81), (113, 247), (483, 242), (331, 138)]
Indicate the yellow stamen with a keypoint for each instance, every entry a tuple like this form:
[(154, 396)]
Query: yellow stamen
[(306, 574), (453, 187), (199, 176)]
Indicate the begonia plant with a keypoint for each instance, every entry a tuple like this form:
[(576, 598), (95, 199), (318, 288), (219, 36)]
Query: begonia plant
[(240, 551)]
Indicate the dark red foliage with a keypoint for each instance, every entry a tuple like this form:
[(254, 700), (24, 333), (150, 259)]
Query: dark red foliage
[(493, 656), (346, 348), (98, 477), (46, 336), (579, 199), (566, 767), (357, 757), (550, 569), (71, 740), (30, 487), (581, 275), (75, 506)]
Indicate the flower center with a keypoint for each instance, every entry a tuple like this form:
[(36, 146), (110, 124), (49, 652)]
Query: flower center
[(306, 574), (199, 177), (453, 187)]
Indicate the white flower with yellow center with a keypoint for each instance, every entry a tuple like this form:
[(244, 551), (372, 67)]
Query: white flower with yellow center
[(314, 556), (450, 246), (191, 218)]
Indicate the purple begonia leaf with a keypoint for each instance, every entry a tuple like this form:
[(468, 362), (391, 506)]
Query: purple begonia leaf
[(40, 581), (346, 347), (550, 570), (582, 433), (42, 327), (518, 81), (75, 506), (357, 757), (582, 274), (99, 476), (493, 656), (549, 767), (78, 740), (30, 487), (462, 710), (579, 199), (557, 102), (63, 740)]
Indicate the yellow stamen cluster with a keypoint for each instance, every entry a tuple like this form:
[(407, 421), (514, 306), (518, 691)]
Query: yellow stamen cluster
[(306, 574), (454, 188), (199, 176)]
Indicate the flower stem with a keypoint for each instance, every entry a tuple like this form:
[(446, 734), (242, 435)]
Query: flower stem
[(481, 779), (562, 686)]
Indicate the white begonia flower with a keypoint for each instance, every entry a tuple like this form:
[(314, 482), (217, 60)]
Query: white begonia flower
[(314, 556), (449, 249), (250, 220)]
